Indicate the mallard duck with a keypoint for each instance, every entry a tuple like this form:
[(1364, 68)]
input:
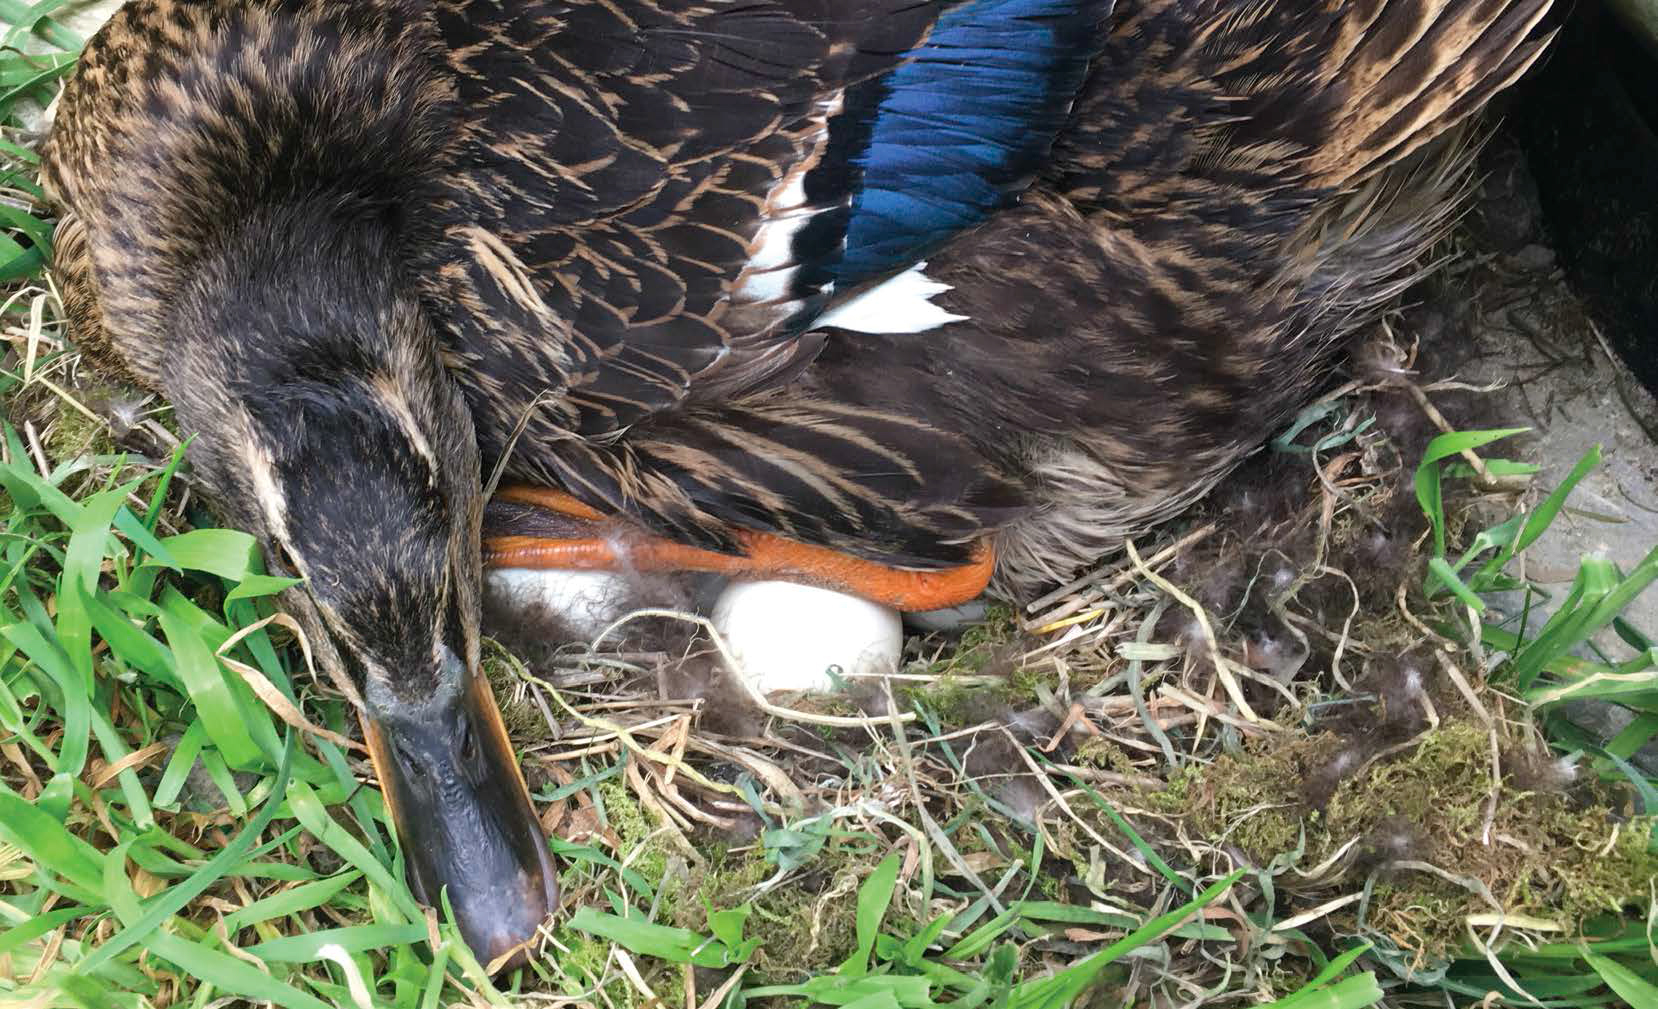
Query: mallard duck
[(897, 296)]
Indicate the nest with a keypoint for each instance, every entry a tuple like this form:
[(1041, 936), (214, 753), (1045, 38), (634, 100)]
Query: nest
[(1263, 686)]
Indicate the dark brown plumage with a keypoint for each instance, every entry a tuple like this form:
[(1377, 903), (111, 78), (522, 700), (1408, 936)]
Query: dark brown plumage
[(372, 249), (589, 180)]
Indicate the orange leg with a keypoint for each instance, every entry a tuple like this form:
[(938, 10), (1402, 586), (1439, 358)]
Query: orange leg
[(765, 556), (552, 500)]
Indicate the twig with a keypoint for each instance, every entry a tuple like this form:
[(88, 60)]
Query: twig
[(1233, 689), (1059, 800), (1467, 692), (934, 832), (1483, 475), (1122, 577), (754, 693)]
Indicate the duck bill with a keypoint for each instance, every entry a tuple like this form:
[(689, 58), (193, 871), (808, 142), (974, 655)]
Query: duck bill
[(464, 819)]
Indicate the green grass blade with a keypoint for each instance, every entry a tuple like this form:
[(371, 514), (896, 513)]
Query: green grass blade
[(1146, 851), (179, 764), (1439, 569), (1605, 686), (1427, 480), (1598, 596), (307, 948), (220, 970), (304, 897), (132, 790), (1631, 987), (33, 18), (1544, 515), (1350, 993), (981, 938), (221, 715), (49, 845), (1640, 732), (38, 926), (165, 905), (228, 553), (874, 897), (74, 694), (309, 810), (131, 643), (1063, 988), (434, 977), (1333, 969), (82, 564), (665, 942), (908, 991)]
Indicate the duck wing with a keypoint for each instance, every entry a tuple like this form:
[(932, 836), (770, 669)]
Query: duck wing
[(656, 202)]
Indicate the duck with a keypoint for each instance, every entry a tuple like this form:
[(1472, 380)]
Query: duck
[(912, 299)]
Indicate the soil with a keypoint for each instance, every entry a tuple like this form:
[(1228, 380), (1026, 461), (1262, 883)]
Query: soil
[(1544, 325), (1588, 123), (1389, 753)]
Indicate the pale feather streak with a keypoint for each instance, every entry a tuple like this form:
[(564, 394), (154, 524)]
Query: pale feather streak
[(901, 304)]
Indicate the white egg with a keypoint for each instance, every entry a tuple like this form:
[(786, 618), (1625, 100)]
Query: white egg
[(786, 636), (586, 601)]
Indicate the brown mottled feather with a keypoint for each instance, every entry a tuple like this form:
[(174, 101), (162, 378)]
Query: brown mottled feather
[(567, 195)]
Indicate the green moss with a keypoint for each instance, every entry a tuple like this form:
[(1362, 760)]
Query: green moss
[(808, 929), (986, 648), (998, 627), (1285, 976), (1255, 799), (1175, 796), (1097, 751), (1441, 787), (73, 433), (1573, 866), (958, 704), (806, 926), (522, 717), (1604, 877), (1028, 683), (634, 825), (584, 959), (979, 646), (1547, 858)]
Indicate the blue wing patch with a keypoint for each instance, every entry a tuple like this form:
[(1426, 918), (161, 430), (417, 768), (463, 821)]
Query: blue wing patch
[(955, 133)]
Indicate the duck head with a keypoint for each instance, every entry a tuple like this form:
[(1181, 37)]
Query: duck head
[(327, 426), (247, 188)]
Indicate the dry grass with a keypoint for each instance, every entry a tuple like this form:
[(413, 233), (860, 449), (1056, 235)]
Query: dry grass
[(1266, 686)]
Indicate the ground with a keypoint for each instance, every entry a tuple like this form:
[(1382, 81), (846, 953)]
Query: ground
[(1259, 741)]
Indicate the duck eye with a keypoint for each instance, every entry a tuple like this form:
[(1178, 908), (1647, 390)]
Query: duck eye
[(282, 559), (469, 744)]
